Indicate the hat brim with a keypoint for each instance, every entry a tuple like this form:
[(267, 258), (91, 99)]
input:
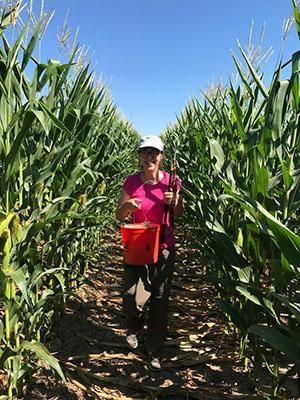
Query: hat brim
[(151, 145)]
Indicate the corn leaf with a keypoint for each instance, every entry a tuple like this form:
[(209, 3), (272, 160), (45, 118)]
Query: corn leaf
[(44, 355), (297, 16), (278, 341)]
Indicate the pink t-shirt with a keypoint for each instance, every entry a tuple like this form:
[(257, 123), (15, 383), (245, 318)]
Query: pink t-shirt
[(152, 205)]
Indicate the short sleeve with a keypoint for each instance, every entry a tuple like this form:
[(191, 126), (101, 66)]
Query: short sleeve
[(131, 184), (127, 186)]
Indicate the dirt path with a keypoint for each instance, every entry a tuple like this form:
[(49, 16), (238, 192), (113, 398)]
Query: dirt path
[(202, 363)]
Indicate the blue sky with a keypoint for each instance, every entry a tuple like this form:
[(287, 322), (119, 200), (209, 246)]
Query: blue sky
[(157, 54)]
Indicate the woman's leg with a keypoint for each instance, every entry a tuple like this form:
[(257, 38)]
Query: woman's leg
[(161, 277), (135, 296)]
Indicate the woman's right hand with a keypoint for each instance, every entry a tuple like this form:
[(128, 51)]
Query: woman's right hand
[(126, 206), (133, 204)]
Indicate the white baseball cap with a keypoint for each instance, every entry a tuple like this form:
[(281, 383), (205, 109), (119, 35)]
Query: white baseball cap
[(151, 141)]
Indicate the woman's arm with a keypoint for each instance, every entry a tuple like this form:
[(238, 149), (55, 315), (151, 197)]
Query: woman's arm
[(175, 200), (177, 205), (126, 206)]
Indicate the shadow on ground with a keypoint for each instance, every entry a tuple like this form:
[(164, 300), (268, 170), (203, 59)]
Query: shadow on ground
[(89, 342)]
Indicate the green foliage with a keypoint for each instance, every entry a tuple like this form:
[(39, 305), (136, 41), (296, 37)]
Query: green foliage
[(238, 155), (64, 149)]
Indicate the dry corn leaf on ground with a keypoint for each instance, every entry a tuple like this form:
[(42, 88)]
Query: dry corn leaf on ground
[(202, 361)]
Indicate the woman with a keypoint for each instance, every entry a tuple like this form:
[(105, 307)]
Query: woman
[(147, 195)]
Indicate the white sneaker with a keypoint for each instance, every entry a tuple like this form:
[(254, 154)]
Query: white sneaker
[(155, 364), (132, 341)]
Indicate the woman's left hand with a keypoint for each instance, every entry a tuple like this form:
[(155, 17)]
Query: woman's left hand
[(170, 197)]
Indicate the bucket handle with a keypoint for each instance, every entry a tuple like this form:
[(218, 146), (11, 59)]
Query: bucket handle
[(146, 221)]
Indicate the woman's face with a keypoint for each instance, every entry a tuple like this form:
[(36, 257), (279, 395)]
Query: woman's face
[(150, 158)]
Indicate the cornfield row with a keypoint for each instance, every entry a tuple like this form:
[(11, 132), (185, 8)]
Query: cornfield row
[(239, 158), (63, 150)]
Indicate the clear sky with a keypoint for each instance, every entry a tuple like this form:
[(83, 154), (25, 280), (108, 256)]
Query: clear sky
[(157, 54)]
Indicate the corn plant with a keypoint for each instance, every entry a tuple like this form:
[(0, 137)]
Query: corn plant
[(63, 152), (239, 160)]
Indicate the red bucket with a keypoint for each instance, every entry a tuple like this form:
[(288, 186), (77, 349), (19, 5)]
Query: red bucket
[(140, 243)]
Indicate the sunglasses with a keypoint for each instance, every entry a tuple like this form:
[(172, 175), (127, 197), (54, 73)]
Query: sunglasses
[(149, 151)]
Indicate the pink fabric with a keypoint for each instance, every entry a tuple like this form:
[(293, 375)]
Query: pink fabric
[(152, 205)]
